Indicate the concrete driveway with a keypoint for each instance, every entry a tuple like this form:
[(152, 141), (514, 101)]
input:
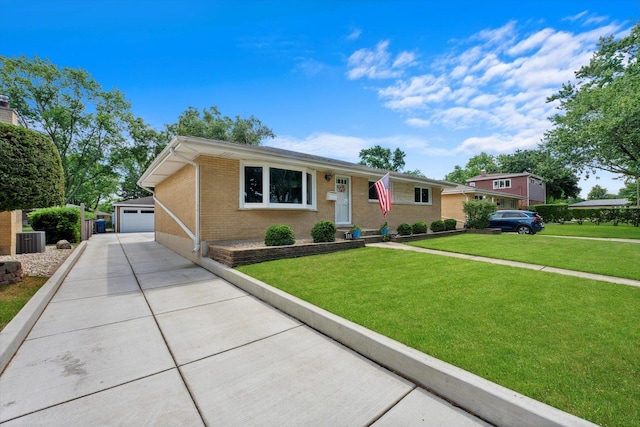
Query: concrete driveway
[(138, 335)]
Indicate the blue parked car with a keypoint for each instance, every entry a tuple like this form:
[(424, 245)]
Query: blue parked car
[(522, 222)]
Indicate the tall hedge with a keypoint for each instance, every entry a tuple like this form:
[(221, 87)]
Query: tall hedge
[(31, 174), (57, 223)]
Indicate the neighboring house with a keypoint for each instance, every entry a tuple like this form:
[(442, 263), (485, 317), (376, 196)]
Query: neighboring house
[(525, 184), (600, 203), (207, 191), (135, 215), (453, 199)]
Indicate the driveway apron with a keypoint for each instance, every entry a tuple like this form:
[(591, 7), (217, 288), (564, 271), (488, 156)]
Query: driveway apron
[(138, 335)]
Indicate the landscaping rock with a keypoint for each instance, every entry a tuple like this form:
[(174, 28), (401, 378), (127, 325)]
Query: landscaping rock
[(63, 244), (10, 272)]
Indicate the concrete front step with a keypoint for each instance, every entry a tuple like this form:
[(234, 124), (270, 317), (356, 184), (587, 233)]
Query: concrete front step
[(341, 232)]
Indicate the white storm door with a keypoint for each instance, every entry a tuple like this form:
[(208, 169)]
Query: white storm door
[(343, 203)]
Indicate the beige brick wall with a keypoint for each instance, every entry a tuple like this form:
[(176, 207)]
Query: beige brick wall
[(452, 207), (10, 224), (222, 219), (403, 209), (178, 194)]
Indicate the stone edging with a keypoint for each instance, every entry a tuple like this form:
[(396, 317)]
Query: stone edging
[(491, 402), (12, 336)]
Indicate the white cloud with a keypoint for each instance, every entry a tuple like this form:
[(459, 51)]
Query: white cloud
[(310, 67), (355, 34), (418, 123), (378, 63), (320, 144), (576, 17), (494, 83)]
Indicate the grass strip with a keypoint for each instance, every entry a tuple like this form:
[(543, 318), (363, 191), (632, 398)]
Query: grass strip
[(14, 296), (616, 259), (588, 229), (569, 342)]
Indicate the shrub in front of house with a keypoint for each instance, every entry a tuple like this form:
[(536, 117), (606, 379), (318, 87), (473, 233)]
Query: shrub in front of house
[(405, 229), (450, 224), (279, 235), (437, 226), (324, 231), (419, 227), (57, 223), (478, 212)]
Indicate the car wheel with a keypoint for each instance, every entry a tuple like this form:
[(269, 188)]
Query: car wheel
[(523, 229)]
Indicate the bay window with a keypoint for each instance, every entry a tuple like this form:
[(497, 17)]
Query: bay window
[(266, 186)]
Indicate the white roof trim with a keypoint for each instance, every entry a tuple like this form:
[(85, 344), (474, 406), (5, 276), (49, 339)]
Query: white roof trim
[(189, 147)]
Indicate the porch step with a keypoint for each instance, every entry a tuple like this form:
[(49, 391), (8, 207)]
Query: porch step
[(369, 235)]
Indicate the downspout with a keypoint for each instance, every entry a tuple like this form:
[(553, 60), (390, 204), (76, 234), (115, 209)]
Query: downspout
[(196, 236)]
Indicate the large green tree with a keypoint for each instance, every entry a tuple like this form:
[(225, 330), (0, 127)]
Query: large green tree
[(598, 126), (86, 123), (631, 191), (597, 192), (382, 158), (474, 167), (213, 125), (30, 170)]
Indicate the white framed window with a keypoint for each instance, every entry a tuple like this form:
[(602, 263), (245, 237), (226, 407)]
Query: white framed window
[(501, 183), (276, 186), (477, 197), (422, 195)]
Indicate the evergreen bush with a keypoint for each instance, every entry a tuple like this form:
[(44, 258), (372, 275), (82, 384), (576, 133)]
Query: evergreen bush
[(31, 174), (324, 231), (437, 226), (57, 223), (450, 224), (405, 229), (279, 235), (419, 227)]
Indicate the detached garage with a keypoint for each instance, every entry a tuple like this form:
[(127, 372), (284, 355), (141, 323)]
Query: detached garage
[(135, 215)]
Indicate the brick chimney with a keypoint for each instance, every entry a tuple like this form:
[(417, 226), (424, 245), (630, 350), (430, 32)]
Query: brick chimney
[(7, 114), (483, 172)]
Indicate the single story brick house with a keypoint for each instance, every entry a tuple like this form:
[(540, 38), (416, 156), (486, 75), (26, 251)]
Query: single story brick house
[(526, 184), (454, 198), (209, 191), (600, 203)]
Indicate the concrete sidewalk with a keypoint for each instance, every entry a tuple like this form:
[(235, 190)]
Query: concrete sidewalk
[(138, 335)]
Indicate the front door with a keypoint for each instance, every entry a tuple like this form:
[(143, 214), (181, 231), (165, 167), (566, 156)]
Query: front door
[(343, 203)]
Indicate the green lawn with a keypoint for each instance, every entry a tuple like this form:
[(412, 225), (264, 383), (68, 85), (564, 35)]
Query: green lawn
[(593, 256), (569, 342), (14, 296), (588, 229)]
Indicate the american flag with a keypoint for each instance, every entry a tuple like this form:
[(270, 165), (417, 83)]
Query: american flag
[(384, 194)]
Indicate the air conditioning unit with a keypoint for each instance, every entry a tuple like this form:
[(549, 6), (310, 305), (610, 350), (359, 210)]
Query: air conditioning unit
[(30, 242)]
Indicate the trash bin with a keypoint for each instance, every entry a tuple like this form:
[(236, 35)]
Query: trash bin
[(101, 226)]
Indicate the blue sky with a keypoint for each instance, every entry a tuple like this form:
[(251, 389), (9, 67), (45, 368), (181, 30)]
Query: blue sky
[(441, 80)]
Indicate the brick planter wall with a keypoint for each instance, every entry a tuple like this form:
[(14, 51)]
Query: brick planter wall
[(10, 272), (422, 236), (234, 257)]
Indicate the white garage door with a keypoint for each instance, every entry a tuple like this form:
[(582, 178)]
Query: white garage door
[(136, 220)]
